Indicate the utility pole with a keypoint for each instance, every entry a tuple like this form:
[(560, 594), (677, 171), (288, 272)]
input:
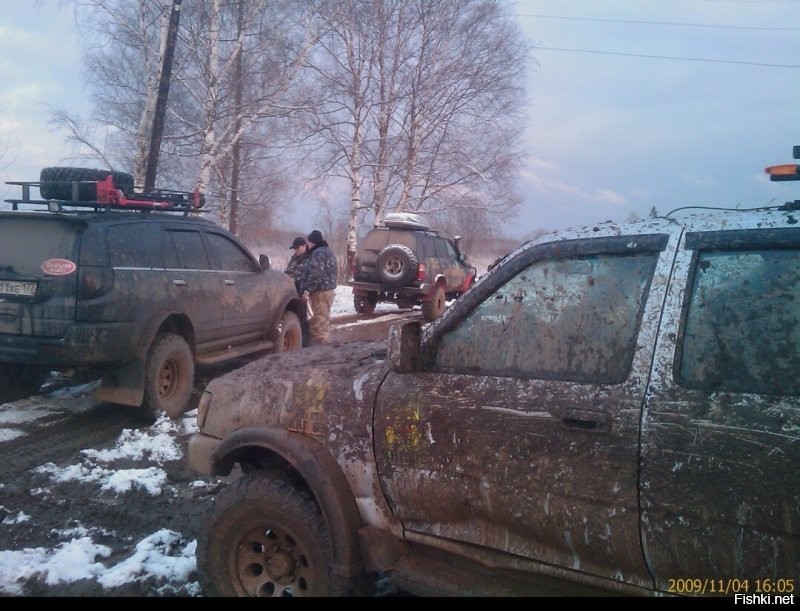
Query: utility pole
[(161, 98)]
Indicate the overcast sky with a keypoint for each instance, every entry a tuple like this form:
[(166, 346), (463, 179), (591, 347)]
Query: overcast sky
[(634, 104)]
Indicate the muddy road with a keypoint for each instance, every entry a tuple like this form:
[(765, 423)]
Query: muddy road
[(64, 430)]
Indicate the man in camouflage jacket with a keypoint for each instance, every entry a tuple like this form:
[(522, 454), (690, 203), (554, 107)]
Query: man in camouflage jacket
[(298, 261), (317, 286)]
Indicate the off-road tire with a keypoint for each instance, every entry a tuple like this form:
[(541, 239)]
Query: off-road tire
[(397, 265), (432, 309), (20, 381), (365, 304), (264, 537), (169, 376), (288, 335), (56, 182)]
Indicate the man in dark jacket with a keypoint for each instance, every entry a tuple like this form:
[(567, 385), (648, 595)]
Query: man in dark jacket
[(317, 286), (298, 261)]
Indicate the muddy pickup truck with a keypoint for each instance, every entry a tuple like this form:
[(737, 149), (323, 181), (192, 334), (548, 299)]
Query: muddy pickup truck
[(612, 409)]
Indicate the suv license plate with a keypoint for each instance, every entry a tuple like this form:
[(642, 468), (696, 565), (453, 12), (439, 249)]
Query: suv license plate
[(16, 287)]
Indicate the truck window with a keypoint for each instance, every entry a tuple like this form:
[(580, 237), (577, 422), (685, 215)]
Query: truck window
[(570, 319), (742, 328), (188, 246), (228, 255)]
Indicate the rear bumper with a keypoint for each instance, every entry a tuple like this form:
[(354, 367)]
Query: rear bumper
[(82, 345), (362, 288)]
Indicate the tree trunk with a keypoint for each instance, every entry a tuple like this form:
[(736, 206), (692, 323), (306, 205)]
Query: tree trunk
[(237, 146)]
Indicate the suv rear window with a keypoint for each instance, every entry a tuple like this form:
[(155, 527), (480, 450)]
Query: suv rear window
[(741, 300), (21, 255)]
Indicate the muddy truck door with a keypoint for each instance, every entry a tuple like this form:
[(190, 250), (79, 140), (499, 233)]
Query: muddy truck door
[(520, 430), (721, 434)]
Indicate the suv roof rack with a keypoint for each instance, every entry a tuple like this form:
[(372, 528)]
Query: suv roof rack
[(108, 197)]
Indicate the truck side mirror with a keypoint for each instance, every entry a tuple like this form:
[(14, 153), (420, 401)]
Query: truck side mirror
[(263, 261), (403, 346)]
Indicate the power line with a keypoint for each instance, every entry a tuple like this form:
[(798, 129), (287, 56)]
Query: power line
[(664, 23), (688, 59), (762, 2)]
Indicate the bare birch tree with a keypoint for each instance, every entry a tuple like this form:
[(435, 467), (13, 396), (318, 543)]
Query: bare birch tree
[(265, 44), (341, 73), (420, 107), (236, 64), (414, 104)]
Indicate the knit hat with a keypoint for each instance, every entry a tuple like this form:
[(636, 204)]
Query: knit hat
[(315, 237), (298, 241)]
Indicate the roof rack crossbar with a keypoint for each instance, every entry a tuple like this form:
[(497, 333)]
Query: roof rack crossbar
[(108, 197)]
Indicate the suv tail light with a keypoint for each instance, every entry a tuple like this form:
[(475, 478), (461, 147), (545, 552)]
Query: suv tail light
[(94, 282), (354, 265), (421, 272)]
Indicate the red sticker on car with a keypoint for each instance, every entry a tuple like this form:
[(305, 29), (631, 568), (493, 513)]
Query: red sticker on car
[(58, 267)]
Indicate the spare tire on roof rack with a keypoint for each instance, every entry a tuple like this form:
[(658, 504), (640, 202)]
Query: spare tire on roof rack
[(57, 182)]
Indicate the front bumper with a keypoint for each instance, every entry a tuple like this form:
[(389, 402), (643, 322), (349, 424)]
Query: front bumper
[(200, 453)]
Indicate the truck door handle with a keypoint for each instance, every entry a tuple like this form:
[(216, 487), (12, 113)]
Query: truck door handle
[(229, 282), (585, 420), (179, 282)]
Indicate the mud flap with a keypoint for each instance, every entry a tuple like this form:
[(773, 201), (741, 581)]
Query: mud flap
[(123, 385)]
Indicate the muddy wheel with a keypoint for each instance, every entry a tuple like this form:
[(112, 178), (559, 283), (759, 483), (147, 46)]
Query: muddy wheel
[(288, 335), (397, 265), (20, 381), (264, 537), (433, 309), (56, 183), (365, 304), (169, 376)]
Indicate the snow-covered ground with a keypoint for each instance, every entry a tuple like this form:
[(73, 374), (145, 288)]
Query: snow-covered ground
[(162, 554)]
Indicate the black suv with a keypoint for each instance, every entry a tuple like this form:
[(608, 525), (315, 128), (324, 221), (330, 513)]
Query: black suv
[(405, 262), (132, 286)]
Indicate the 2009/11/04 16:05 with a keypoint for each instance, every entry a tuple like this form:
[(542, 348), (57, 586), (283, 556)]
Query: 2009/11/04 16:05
[(730, 586)]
